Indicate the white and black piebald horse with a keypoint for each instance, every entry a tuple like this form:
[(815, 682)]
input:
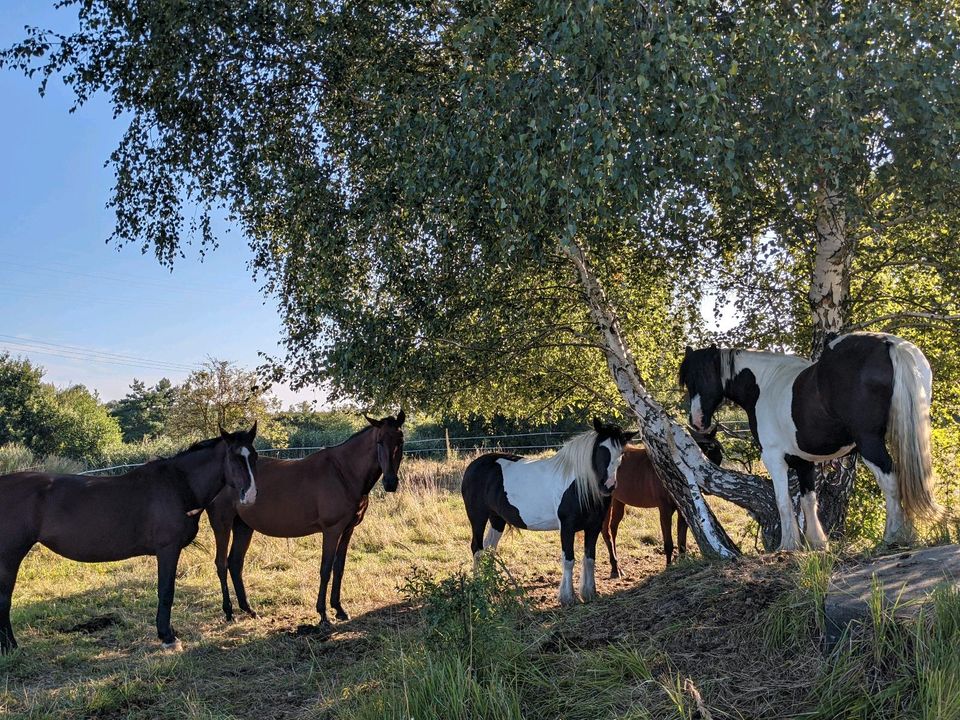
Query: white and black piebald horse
[(569, 491), (868, 391)]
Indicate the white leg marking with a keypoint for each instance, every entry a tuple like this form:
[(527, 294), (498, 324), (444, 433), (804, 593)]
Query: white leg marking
[(567, 596), (896, 528), (251, 494), (175, 646), (588, 584), (492, 539), (811, 521), (789, 533)]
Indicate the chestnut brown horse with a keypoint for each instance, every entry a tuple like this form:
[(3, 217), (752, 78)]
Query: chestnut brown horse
[(326, 492), (639, 485), (152, 510)]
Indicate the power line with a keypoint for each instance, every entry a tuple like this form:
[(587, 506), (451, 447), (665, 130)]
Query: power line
[(73, 352)]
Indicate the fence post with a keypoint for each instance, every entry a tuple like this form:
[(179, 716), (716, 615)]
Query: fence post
[(446, 435)]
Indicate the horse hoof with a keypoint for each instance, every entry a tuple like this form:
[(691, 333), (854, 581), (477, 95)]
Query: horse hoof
[(175, 646), (342, 615), (252, 613)]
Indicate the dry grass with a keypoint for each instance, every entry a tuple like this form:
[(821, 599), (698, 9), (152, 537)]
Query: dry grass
[(693, 640)]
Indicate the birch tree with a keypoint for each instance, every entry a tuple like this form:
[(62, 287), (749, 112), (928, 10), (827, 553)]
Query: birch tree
[(456, 198)]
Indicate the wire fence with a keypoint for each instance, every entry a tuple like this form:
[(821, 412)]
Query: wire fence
[(442, 447)]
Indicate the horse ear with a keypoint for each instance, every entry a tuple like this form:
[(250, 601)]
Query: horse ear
[(713, 346), (223, 433), (401, 416), (597, 424), (252, 433), (687, 350), (628, 436), (375, 423)]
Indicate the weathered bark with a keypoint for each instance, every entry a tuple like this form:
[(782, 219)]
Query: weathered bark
[(829, 297), (679, 462)]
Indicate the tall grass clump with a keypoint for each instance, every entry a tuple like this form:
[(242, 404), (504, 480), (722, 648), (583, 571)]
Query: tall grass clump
[(796, 617), (16, 457), (460, 664)]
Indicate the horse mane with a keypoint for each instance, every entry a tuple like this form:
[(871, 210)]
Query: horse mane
[(199, 445), (576, 458)]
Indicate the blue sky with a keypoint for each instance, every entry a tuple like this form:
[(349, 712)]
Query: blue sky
[(62, 286)]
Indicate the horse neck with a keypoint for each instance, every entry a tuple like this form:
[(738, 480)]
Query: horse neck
[(203, 472), (765, 366), (357, 460)]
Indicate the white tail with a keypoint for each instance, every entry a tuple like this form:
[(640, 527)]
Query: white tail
[(908, 430)]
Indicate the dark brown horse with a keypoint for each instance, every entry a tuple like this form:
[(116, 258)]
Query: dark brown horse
[(639, 485), (326, 492), (152, 510)]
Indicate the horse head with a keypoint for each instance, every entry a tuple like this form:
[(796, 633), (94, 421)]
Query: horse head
[(388, 435), (709, 444), (240, 463), (607, 453), (701, 376)]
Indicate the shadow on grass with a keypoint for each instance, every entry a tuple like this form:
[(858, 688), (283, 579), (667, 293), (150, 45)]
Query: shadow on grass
[(94, 653)]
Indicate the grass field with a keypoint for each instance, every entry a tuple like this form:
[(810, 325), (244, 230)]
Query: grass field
[(702, 639)]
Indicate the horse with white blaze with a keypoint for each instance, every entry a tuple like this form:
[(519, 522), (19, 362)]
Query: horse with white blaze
[(569, 491), (868, 392)]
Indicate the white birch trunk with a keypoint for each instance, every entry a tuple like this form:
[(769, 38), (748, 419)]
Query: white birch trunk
[(678, 459), (829, 297)]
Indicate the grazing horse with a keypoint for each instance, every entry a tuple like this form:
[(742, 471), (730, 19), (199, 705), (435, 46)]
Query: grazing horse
[(326, 492), (638, 485), (152, 510), (868, 391), (569, 491)]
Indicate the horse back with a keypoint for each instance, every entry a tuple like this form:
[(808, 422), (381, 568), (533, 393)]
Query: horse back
[(97, 519), (295, 498)]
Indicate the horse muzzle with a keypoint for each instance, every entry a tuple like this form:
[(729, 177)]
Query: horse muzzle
[(390, 483)]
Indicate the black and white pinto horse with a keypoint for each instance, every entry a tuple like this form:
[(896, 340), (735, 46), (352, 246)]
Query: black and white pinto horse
[(868, 391), (569, 491)]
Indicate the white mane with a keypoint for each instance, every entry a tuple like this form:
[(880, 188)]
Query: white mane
[(575, 460), (763, 364)]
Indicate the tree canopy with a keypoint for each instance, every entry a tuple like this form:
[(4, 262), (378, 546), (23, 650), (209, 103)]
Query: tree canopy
[(450, 199)]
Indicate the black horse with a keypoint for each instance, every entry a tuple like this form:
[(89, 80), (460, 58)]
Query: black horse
[(152, 510), (569, 491), (868, 391)]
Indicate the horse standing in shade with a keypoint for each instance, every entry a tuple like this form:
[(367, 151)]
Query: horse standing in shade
[(638, 485), (868, 391), (569, 491), (152, 510), (327, 492)]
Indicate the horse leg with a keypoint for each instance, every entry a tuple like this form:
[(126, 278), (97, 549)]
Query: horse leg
[(789, 532), (588, 582), (666, 529), (567, 533), (221, 535), (611, 522), (9, 566), (167, 559), (898, 529), (242, 535), (478, 517), (338, 564), (812, 529), (331, 541), (494, 533), (681, 533)]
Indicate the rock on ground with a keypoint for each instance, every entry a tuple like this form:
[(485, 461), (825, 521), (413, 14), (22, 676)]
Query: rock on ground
[(907, 579)]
